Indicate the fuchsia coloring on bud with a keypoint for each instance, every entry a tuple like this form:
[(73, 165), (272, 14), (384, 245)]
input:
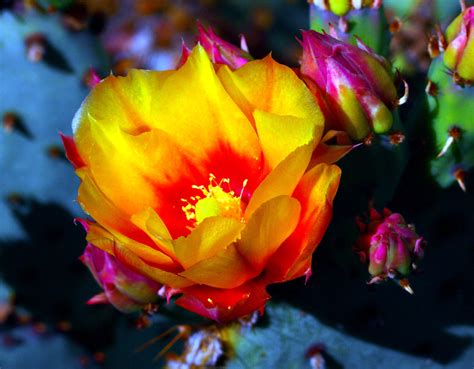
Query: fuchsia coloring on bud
[(123, 288), (390, 246), (223, 52), (459, 55), (356, 83)]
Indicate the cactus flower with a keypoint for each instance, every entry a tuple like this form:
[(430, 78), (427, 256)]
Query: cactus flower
[(356, 84), (390, 245), (200, 179), (459, 55), (123, 288)]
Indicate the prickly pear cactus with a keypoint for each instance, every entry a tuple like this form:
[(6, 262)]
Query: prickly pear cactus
[(314, 343), (41, 63), (334, 321), (451, 99), (452, 107), (41, 85)]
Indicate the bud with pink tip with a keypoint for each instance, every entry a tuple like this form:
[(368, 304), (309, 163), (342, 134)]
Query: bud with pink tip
[(123, 288), (220, 51), (357, 84), (390, 246)]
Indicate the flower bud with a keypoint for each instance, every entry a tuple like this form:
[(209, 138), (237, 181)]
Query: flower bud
[(459, 55), (389, 244), (123, 288), (223, 52), (356, 83)]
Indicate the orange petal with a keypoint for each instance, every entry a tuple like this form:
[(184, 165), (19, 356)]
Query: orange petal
[(211, 236), (278, 103), (227, 269), (269, 226), (128, 257), (316, 193), (282, 180)]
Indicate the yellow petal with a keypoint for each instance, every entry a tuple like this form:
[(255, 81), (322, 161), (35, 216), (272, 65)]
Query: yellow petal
[(279, 104), (153, 226), (227, 269), (282, 180), (101, 238), (149, 254), (102, 209), (212, 235), (106, 241), (127, 257), (280, 135), (269, 226)]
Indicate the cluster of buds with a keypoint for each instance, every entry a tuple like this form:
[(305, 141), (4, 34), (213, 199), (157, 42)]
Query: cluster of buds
[(390, 246), (354, 86), (342, 7), (459, 54)]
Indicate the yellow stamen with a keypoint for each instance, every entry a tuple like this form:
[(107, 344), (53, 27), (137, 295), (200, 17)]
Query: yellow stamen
[(215, 200)]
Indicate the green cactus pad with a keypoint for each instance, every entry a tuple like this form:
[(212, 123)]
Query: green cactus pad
[(452, 106), (44, 96)]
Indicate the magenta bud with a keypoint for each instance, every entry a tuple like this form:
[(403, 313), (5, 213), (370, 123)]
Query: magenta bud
[(223, 52), (357, 84), (123, 288), (389, 244)]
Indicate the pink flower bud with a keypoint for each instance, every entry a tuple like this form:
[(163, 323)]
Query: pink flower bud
[(356, 83), (459, 55), (123, 288), (220, 51), (389, 244)]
